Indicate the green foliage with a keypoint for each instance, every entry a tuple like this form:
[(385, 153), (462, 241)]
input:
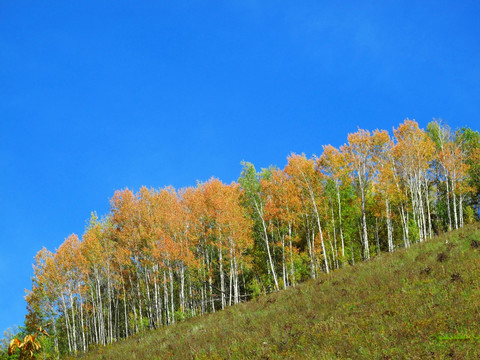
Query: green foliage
[(469, 141), (183, 315), (255, 288), (142, 323), (438, 131), (250, 182), (413, 229), (469, 214), (301, 265)]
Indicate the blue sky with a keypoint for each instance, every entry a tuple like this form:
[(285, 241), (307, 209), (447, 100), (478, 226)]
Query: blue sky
[(97, 96)]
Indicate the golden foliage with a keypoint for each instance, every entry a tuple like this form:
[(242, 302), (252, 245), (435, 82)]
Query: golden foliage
[(29, 346)]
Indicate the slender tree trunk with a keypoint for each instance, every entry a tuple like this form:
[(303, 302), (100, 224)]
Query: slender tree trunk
[(284, 266), (236, 288), (139, 299), (265, 234), (69, 341), (182, 287), (423, 227), (427, 199), (170, 273), (366, 249), (389, 226), (314, 254), (335, 259), (310, 248), (454, 202), (230, 281), (125, 307), (148, 299), (406, 240), (101, 322), (165, 299), (82, 325), (210, 284), (203, 286), (448, 203), (74, 330), (340, 221), (460, 208), (193, 309), (222, 276), (327, 269), (292, 268), (95, 319)]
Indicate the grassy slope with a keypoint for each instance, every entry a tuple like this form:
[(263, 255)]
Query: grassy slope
[(420, 303)]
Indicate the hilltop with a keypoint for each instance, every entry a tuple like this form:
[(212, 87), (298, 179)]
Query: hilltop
[(416, 303)]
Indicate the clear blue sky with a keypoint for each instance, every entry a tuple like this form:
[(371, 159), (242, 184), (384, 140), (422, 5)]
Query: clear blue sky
[(97, 96)]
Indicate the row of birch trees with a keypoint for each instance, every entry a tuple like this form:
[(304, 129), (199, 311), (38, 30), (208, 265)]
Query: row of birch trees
[(163, 255)]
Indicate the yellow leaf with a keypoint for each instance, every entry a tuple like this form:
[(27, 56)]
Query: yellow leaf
[(14, 343)]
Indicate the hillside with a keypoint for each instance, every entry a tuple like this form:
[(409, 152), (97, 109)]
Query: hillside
[(419, 303)]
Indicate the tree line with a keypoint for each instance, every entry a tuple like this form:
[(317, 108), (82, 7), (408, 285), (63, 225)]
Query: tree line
[(164, 255)]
